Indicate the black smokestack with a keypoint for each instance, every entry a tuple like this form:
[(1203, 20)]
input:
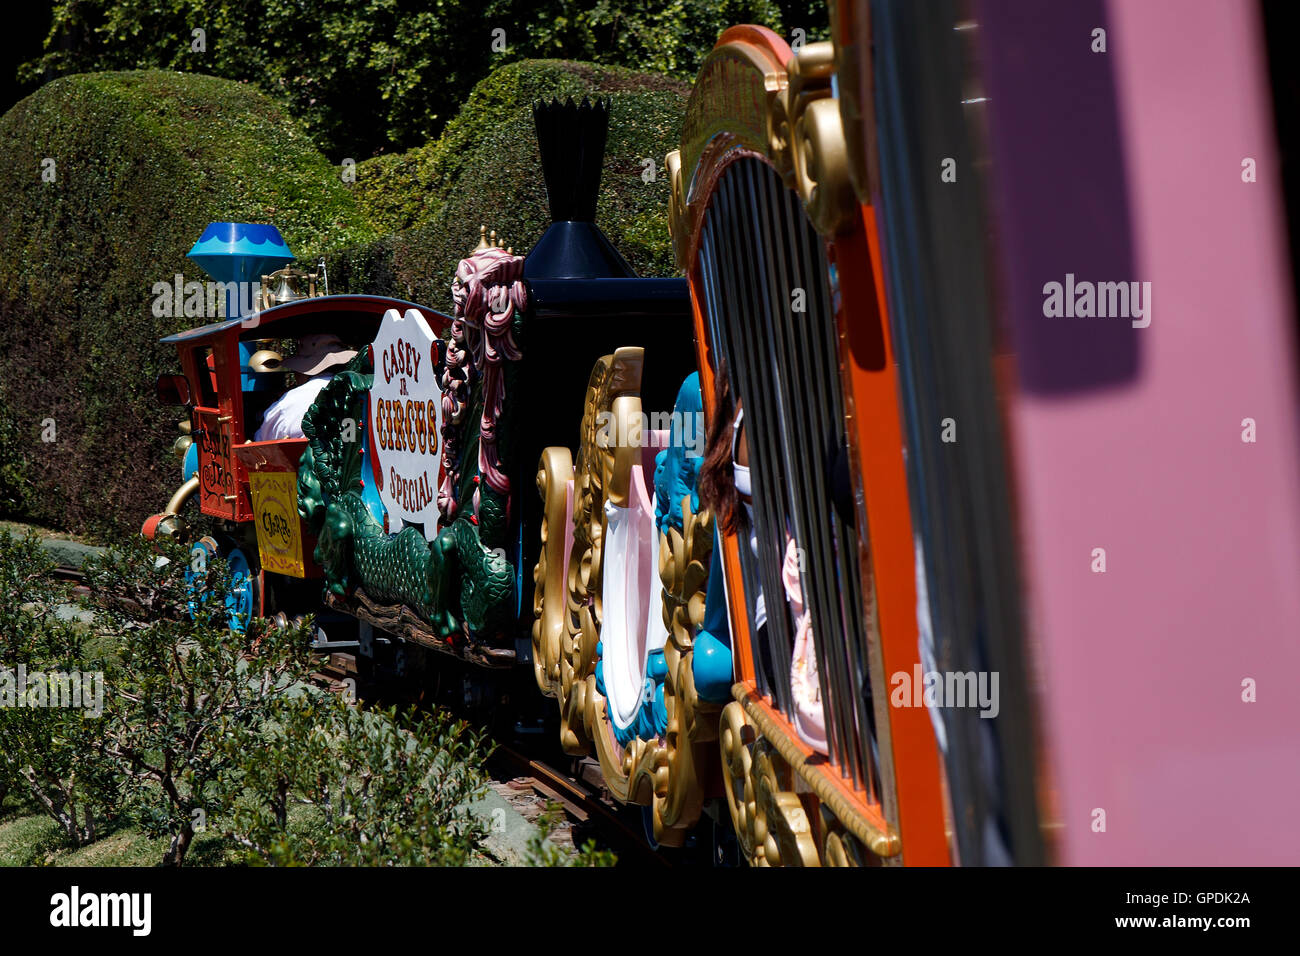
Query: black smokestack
[(572, 142), (571, 139)]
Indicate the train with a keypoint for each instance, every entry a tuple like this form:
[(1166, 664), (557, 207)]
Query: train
[(903, 527)]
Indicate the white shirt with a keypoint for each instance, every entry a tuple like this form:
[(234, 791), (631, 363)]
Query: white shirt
[(284, 418)]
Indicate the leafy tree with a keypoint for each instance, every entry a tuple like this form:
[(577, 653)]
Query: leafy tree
[(185, 684), (199, 727), (365, 77), (52, 726)]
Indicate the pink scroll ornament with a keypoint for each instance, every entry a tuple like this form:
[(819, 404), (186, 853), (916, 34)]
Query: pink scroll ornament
[(488, 292)]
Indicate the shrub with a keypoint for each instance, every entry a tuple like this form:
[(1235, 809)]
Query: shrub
[(220, 731), (485, 169), (52, 727), (202, 729), (379, 787), (185, 685), (143, 161)]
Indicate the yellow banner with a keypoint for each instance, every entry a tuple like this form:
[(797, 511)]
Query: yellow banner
[(275, 510)]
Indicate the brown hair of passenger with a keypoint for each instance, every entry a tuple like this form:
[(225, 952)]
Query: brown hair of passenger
[(717, 477)]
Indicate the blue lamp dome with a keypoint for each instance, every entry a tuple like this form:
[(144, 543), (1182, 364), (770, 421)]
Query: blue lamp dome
[(240, 251)]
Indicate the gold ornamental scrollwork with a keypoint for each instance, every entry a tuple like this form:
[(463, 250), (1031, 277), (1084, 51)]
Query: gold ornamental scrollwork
[(611, 446), (684, 570), (554, 472), (746, 99), (665, 773), (773, 801), (781, 822), (809, 149), (770, 820), (851, 34), (678, 224), (583, 567), (736, 736), (840, 847)]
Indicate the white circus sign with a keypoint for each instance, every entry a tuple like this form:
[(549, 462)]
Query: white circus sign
[(405, 420)]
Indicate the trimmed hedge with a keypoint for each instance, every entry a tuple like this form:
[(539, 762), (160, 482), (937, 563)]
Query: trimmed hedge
[(485, 169), (144, 160)]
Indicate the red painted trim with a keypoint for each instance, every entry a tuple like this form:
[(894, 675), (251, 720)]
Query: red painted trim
[(766, 40), (868, 371), (374, 459), (150, 528)]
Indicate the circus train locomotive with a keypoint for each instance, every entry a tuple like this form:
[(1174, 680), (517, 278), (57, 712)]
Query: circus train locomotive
[(735, 499)]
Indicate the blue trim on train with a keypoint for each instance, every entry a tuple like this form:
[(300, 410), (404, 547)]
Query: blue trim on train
[(649, 722), (190, 466), (369, 491), (711, 662), (677, 467)]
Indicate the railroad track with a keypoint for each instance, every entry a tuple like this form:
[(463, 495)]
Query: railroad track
[(588, 806), (69, 574)]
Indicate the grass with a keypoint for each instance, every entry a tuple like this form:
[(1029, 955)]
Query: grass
[(30, 838)]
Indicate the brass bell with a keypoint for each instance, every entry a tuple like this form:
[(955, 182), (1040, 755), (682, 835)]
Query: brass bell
[(285, 290)]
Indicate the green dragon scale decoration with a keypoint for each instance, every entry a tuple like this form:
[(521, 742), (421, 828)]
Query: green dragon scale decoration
[(461, 582)]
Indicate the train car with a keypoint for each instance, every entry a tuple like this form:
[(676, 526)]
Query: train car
[(403, 513), (880, 233), (867, 542), (231, 376), (931, 458)]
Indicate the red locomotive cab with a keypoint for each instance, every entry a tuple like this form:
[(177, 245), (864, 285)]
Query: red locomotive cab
[(210, 361), (209, 389), (232, 376), (217, 427), (229, 395)]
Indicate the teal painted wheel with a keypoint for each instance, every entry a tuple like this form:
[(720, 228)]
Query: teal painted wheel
[(241, 585), (241, 601)]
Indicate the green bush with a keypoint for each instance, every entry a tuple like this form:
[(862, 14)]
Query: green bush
[(143, 161), (485, 169), (52, 700), (184, 685), (375, 787), (213, 731), (203, 733)]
